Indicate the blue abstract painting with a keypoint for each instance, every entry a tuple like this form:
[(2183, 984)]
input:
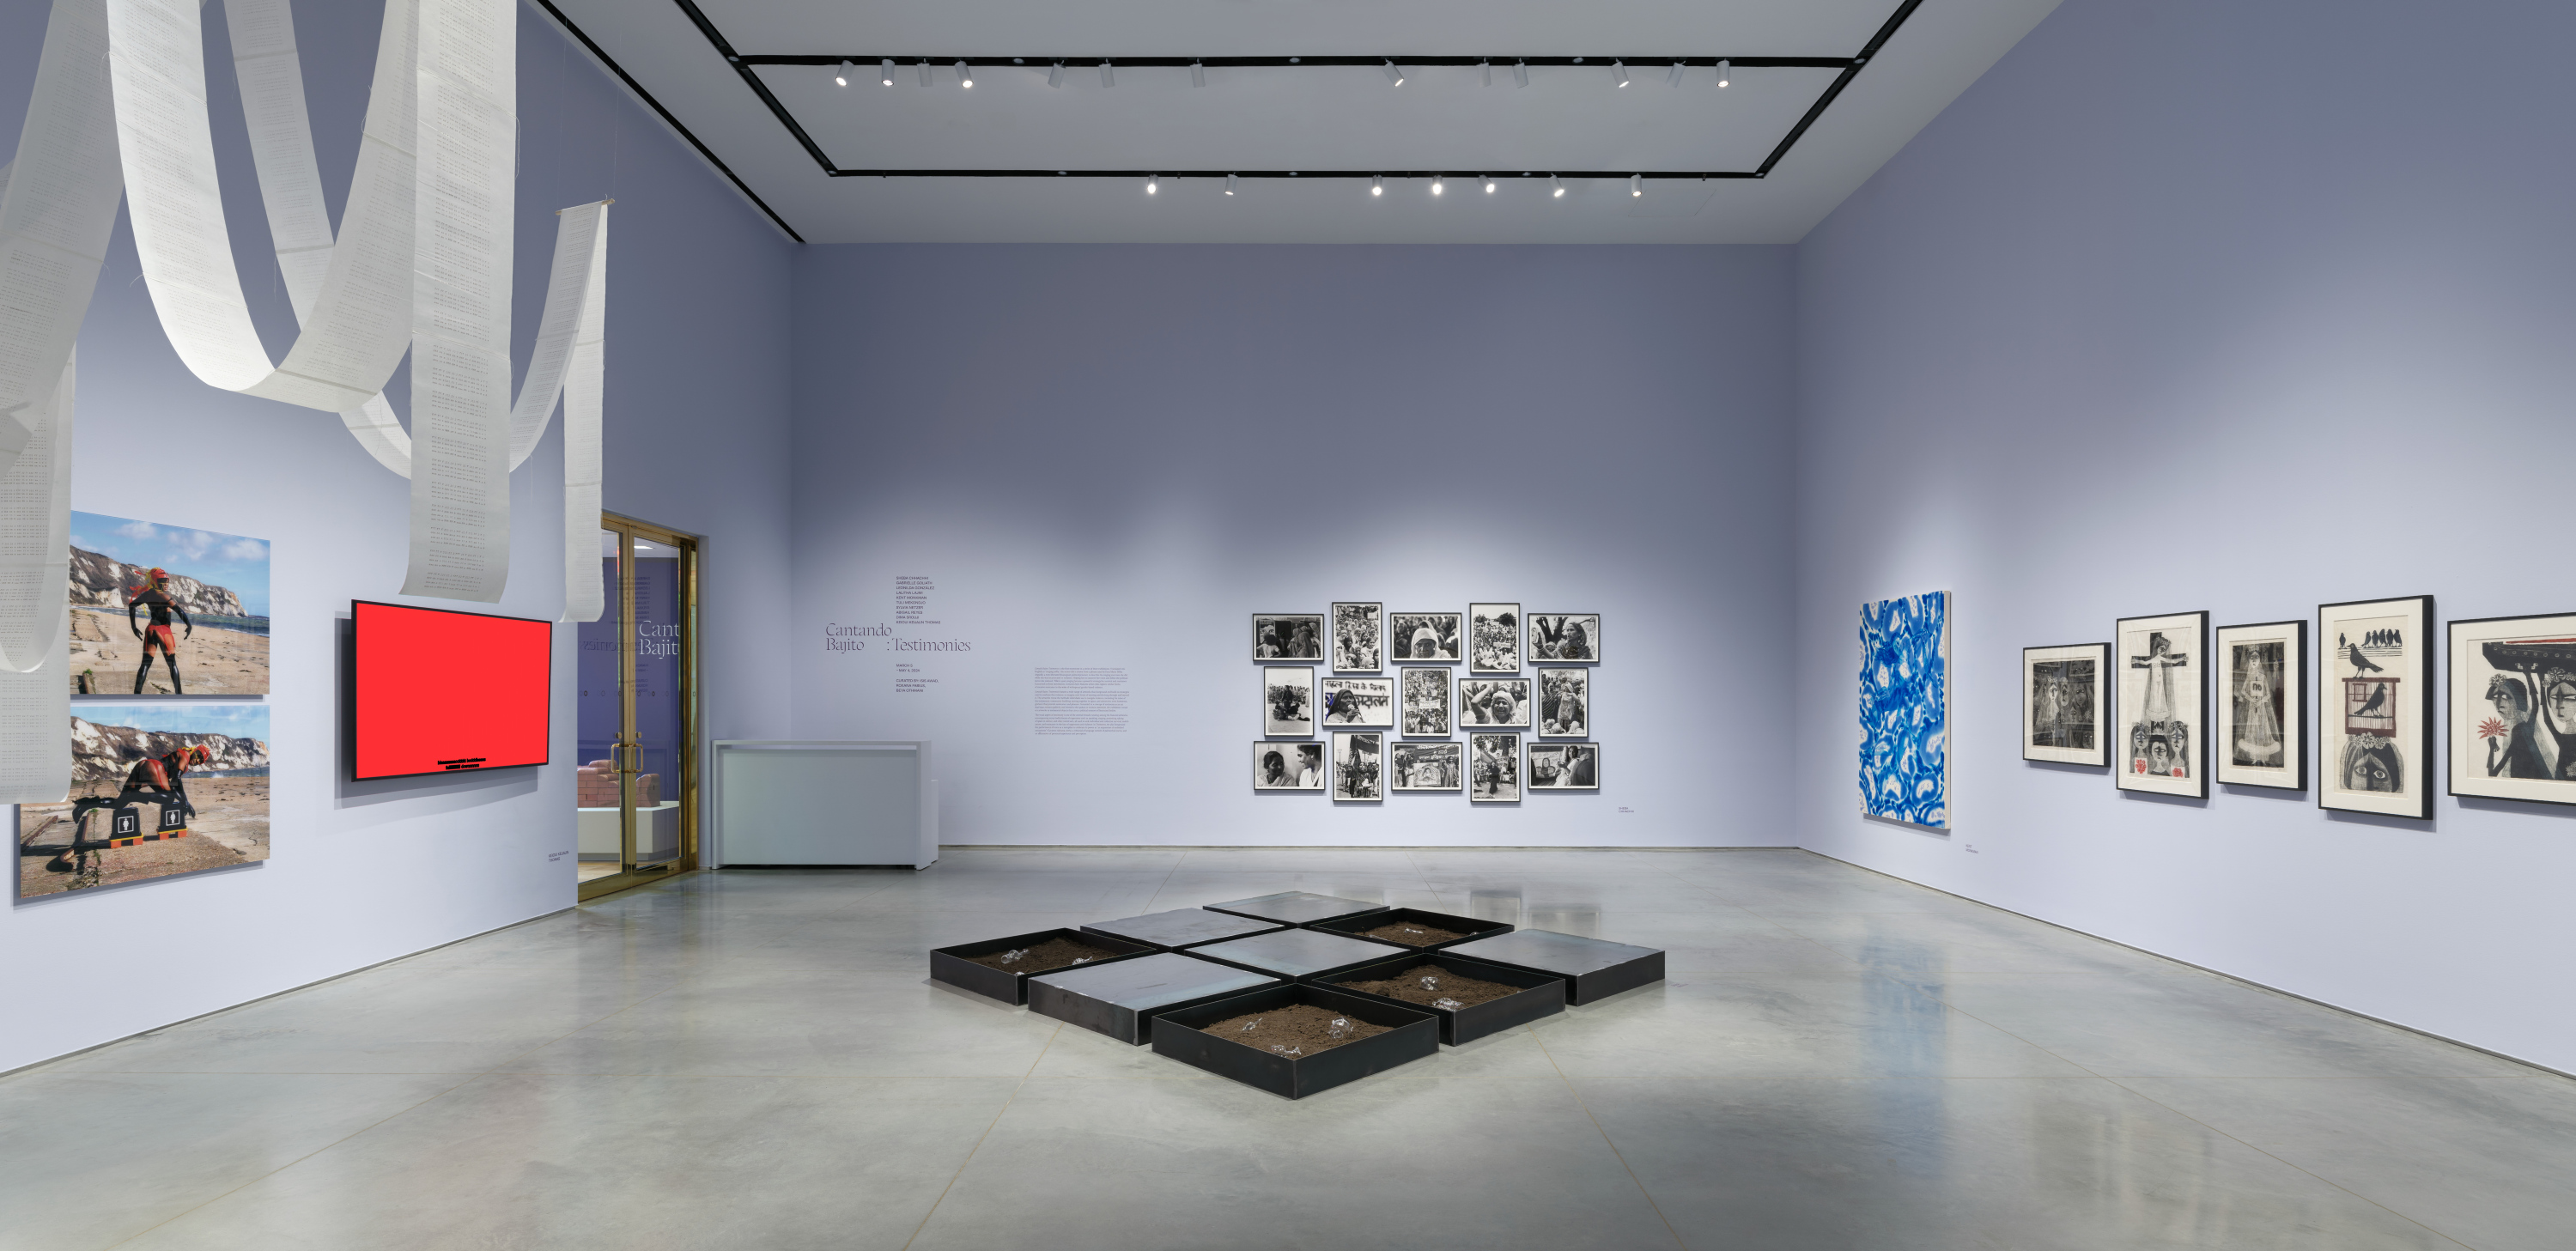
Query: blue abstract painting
[(1905, 709)]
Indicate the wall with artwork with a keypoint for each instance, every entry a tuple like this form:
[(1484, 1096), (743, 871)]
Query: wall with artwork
[(1094, 519), (2147, 325), (269, 520)]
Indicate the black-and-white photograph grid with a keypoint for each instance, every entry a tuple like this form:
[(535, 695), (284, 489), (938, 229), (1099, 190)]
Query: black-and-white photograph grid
[(1359, 638), (1494, 703), (1425, 637), (1565, 703)]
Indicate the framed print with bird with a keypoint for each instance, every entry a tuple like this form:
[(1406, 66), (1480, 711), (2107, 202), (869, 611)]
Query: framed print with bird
[(2375, 706)]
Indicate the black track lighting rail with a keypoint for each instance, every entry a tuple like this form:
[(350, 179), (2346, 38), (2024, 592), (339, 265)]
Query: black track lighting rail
[(1641, 64)]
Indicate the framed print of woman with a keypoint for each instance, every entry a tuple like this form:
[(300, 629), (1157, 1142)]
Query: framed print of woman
[(2513, 708)]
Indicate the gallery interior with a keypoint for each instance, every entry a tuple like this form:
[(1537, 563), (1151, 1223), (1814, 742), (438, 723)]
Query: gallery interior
[(1789, 623)]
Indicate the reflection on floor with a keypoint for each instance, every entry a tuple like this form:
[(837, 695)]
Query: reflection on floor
[(754, 1059), (590, 869)]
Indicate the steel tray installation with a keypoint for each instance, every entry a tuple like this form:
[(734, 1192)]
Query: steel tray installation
[(1592, 968), (1122, 999), (1296, 907), (956, 965), (1540, 995), (1412, 1036), (1181, 927), (1298, 954), (1469, 929)]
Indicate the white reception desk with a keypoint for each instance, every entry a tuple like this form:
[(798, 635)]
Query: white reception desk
[(820, 802)]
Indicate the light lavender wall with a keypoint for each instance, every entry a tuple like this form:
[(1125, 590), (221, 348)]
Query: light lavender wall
[(2209, 305), (696, 423), (1114, 456)]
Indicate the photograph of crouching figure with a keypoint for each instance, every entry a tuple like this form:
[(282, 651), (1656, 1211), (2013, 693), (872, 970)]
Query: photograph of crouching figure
[(1564, 767)]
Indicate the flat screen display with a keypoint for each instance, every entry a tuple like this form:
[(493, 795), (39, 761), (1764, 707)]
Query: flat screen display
[(433, 691)]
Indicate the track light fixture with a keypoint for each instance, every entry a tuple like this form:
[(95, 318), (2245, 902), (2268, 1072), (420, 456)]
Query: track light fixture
[(965, 75), (1229, 184), (1725, 70), (885, 72), (1153, 184), (924, 67), (1489, 184), (1108, 75), (1636, 185), (1621, 69), (1055, 74), (1555, 188), (1377, 184), (1438, 183), (841, 76), (1394, 76), (1674, 79), (1520, 73), (1198, 74), (1485, 70)]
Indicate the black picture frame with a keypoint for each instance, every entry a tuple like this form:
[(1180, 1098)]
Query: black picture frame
[(2103, 689), (2294, 673), (2128, 768), (2464, 690), (2331, 731), (1261, 624)]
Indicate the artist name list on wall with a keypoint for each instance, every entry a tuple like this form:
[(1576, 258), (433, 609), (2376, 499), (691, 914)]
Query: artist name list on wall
[(1082, 701), (912, 600)]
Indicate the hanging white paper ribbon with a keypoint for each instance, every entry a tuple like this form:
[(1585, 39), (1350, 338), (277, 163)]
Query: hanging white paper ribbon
[(35, 705)]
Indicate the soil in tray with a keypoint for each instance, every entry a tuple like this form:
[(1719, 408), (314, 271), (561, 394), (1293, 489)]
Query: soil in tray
[(1410, 934), (1054, 953), (1463, 992), (1296, 1030)]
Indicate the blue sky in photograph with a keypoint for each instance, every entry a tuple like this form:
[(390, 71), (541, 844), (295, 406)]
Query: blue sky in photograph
[(230, 561), (176, 717)]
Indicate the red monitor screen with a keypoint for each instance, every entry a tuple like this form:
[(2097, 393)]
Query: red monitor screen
[(432, 691)]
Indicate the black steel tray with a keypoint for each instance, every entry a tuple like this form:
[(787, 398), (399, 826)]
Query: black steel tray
[(1181, 927), (1296, 907), (1541, 995), (1122, 999), (1469, 929), (1299, 955), (1593, 969), (956, 965), (1415, 1035)]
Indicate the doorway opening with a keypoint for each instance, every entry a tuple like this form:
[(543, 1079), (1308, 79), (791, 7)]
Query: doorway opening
[(637, 804)]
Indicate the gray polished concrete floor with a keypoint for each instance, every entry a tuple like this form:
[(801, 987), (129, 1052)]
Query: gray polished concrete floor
[(755, 1061)]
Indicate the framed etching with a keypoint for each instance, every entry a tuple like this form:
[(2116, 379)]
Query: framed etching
[(1288, 766), (2161, 717), (1359, 638), (1493, 768), (1494, 703), (1565, 638), (2375, 707), (2063, 695), (1425, 637), (2513, 708), (1565, 703), (1905, 709), (1426, 701), (1356, 759), (1565, 766), (1359, 703), (1428, 766), (1287, 701), (1493, 638), (2262, 706), (1288, 636)]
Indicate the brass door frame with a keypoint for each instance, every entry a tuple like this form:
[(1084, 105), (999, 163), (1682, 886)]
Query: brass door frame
[(627, 755)]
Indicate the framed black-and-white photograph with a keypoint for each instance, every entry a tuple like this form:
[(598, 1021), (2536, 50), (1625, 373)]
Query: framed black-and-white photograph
[(1494, 703), (2063, 697), (1288, 766), (1359, 765), (1564, 638), (1287, 701), (1564, 703), (1288, 636), (1426, 701), (2513, 708), (1359, 638), (2160, 717), (1359, 703), (1427, 766), (2261, 706), (1493, 638), (1564, 766), (1425, 638), (1493, 768), (2375, 706)]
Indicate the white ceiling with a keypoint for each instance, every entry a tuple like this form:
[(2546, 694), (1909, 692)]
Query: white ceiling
[(1306, 118)]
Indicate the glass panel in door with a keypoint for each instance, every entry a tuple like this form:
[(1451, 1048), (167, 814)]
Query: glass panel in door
[(599, 807), (656, 731)]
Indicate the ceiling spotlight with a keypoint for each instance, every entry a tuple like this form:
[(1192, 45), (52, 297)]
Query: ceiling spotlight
[(885, 72), (1108, 75), (841, 76), (1520, 73), (1621, 69), (1489, 184), (925, 71), (965, 76), (1393, 75), (1229, 184), (1724, 71), (1674, 79), (1437, 184), (1377, 184), (1198, 74), (1486, 70), (1152, 184), (1636, 185), (1055, 74), (1555, 188)]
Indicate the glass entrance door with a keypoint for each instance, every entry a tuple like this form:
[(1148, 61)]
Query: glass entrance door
[(638, 731)]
